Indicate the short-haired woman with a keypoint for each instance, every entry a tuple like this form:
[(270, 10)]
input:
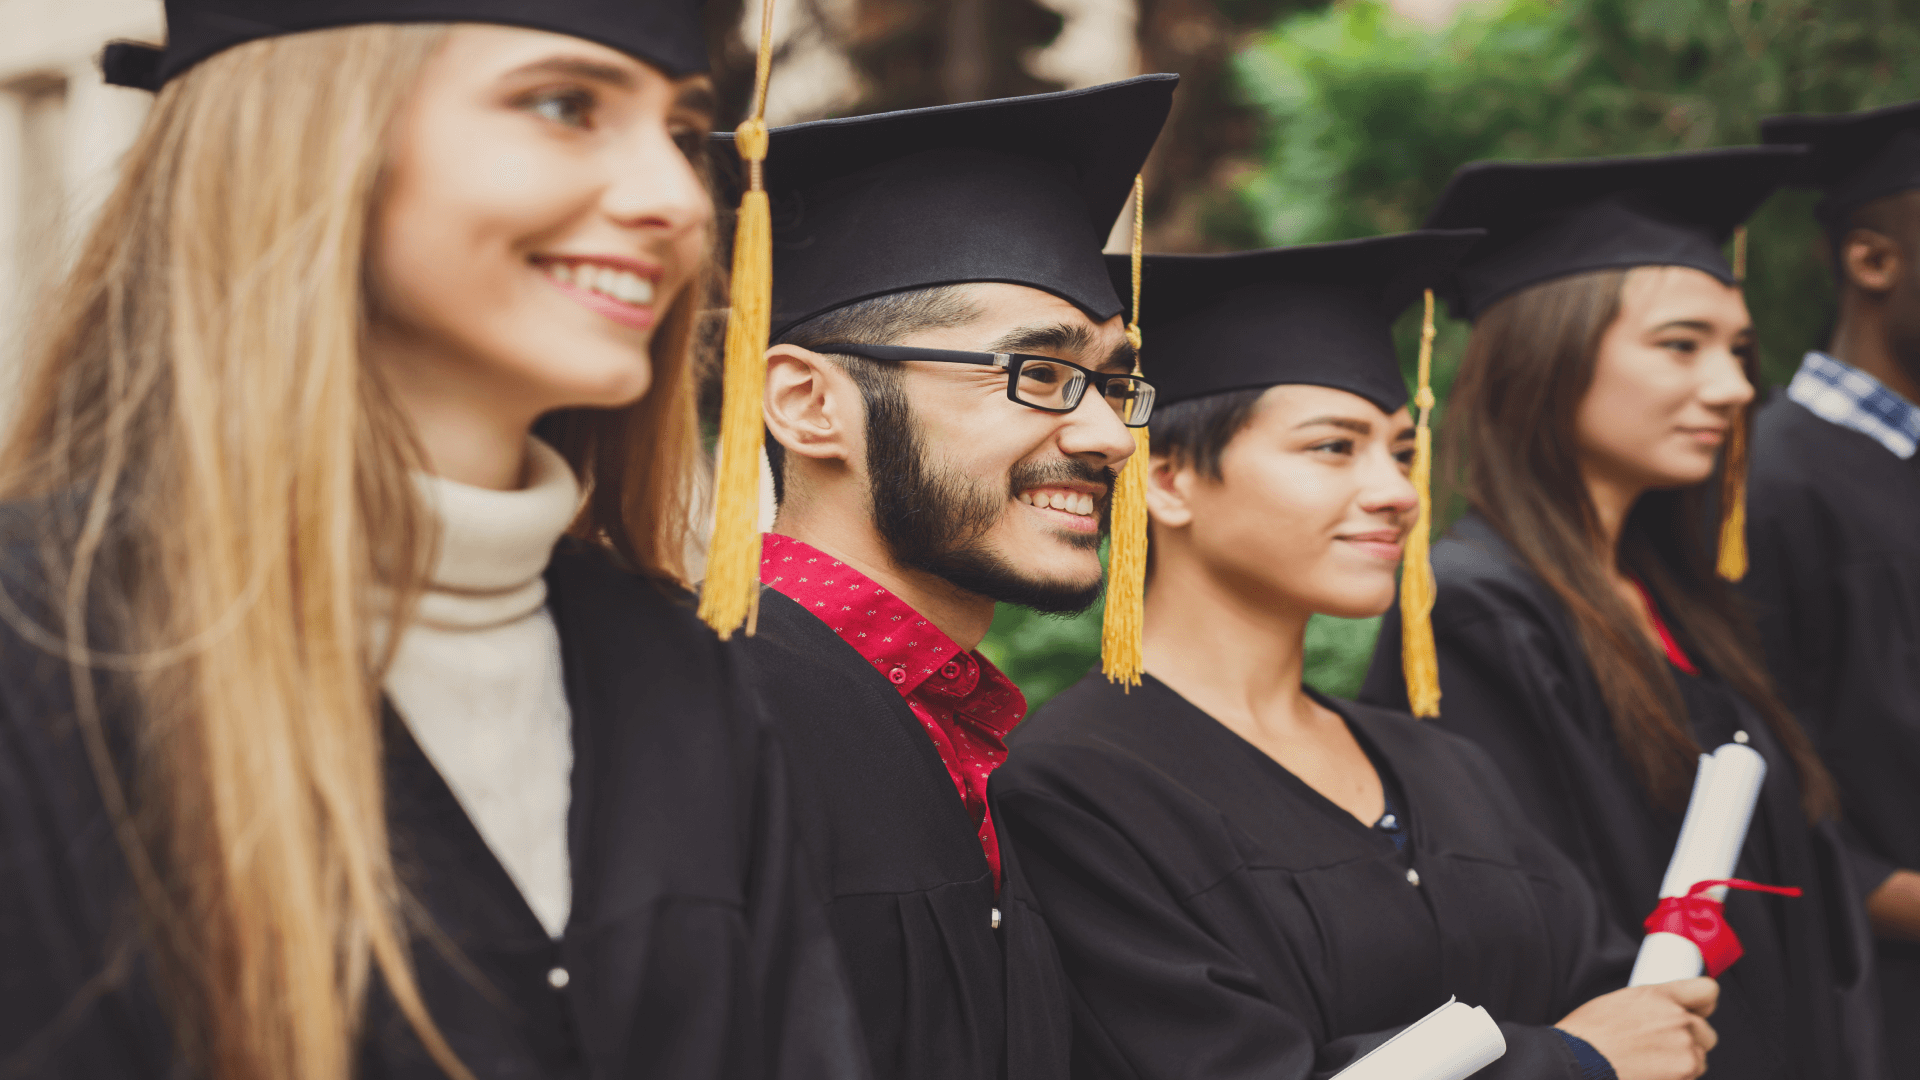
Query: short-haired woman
[(1250, 879), (1585, 640)]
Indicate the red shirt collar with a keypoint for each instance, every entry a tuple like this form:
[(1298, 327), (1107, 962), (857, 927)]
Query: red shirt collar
[(879, 625)]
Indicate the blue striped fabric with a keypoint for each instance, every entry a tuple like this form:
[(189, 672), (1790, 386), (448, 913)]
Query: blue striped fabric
[(1853, 399)]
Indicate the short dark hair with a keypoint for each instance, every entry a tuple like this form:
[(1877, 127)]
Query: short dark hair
[(1196, 432), (881, 320)]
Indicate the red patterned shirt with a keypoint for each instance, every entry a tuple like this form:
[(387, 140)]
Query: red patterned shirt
[(965, 704)]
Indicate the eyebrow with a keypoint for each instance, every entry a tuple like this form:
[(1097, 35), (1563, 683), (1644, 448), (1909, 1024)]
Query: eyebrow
[(697, 96), (1067, 338), (1684, 324), (579, 68), (1358, 427), (1060, 337)]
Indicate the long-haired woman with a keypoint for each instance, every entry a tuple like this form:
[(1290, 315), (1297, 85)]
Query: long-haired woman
[(1584, 636), (352, 719), (1247, 878)]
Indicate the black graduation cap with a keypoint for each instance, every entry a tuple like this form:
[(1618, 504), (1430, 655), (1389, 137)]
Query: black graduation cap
[(1855, 157), (666, 33), (1549, 219), (1021, 190), (1318, 313)]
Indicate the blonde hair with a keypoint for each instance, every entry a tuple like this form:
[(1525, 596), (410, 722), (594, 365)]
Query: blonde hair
[(226, 487)]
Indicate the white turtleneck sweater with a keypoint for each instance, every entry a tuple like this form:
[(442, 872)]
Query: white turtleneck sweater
[(478, 678)]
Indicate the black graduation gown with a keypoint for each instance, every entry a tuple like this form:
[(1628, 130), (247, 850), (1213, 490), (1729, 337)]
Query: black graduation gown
[(696, 947), (1219, 919), (942, 994), (1514, 678), (1833, 529)]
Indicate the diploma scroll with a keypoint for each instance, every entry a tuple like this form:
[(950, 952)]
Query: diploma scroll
[(1452, 1042), (1725, 791)]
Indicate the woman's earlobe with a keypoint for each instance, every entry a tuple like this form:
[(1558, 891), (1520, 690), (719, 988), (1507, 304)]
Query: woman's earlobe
[(1167, 486)]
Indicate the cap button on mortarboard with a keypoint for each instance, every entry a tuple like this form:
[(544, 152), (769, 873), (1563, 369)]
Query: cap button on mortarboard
[(129, 63)]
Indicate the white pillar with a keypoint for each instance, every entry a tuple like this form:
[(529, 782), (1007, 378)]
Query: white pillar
[(101, 123)]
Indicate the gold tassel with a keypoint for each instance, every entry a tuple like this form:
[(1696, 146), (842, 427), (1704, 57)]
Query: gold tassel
[(1732, 561), (1419, 660), (1733, 503), (730, 596), (1121, 625)]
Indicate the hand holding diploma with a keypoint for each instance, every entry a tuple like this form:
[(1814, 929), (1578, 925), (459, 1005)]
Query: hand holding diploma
[(1650, 1032), (1452, 1042), (1686, 933)]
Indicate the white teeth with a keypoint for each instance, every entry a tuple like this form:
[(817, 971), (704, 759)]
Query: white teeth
[(1070, 502), (622, 285)]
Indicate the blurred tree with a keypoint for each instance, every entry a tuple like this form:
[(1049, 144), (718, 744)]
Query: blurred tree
[(1212, 139), (1366, 115)]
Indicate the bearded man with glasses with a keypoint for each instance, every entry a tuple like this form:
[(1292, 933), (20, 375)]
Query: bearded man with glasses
[(949, 397)]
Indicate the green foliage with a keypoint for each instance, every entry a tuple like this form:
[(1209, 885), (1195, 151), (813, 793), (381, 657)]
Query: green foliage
[(1368, 114), (1338, 652), (1044, 654)]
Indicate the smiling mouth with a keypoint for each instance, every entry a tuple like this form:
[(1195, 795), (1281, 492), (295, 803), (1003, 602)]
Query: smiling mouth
[(1077, 503), (618, 284)]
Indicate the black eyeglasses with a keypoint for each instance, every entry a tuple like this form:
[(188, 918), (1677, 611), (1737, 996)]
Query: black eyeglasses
[(1038, 382)]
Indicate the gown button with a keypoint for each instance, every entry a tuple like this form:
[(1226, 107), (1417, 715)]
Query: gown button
[(558, 978), (1413, 876), (996, 918)]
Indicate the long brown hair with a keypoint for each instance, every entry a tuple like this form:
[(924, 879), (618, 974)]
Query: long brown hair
[(226, 490), (1510, 442)]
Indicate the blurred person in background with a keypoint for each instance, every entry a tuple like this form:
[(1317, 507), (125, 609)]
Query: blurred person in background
[(1248, 878), (353, 718), (1585, 639), (1834, 522)]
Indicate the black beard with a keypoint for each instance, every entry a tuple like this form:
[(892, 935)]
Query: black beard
[(935, 520)]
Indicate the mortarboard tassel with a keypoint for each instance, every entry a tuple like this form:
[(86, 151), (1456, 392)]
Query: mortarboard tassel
[(730, 596), (1419, 660), (1120, 627), (1732, 562)]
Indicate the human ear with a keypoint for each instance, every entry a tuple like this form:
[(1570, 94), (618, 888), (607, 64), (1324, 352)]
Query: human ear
[(1169, 488), (1871, 261), (812, 408)]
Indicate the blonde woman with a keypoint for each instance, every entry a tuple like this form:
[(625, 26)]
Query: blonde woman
[(348, 726)]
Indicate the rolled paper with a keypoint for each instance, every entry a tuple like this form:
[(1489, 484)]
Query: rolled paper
[(1725, 791), (1452, 1042)]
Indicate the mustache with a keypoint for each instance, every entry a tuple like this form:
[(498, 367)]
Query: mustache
[(1033, 474)]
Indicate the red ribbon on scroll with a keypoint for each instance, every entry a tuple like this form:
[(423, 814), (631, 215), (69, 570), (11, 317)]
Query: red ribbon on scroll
[(1699, 919)]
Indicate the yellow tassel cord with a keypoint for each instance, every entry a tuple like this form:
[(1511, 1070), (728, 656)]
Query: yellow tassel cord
[(1125, 615), (1732, 562), (730, 597), (1419, 661), (1733, 504)]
